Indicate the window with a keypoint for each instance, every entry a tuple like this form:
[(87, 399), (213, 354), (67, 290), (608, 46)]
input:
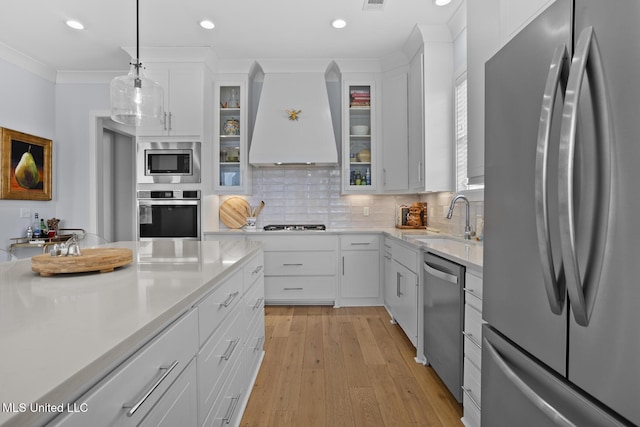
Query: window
[(462, 182)]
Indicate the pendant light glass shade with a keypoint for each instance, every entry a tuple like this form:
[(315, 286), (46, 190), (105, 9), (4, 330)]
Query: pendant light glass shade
[(135, 99)]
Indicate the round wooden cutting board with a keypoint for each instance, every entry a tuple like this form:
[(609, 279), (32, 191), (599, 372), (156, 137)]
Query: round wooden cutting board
[(103, 260), (234, 212)]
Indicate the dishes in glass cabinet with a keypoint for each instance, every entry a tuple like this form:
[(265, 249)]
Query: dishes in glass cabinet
[(231, 127)]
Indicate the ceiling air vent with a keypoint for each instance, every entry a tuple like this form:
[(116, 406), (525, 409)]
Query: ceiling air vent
[(373, 4)]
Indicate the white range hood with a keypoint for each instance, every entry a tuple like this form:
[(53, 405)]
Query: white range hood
[(279, 139)]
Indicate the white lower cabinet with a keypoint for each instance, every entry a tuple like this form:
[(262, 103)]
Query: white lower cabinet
[(401, 286), (146, 386), (472, 348), (300, 269), (198, 371), (360, 270)]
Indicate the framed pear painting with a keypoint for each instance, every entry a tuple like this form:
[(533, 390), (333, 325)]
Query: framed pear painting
[(25, 166)]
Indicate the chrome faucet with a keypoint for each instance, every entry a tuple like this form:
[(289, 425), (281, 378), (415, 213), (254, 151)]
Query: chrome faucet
[(467, 227)]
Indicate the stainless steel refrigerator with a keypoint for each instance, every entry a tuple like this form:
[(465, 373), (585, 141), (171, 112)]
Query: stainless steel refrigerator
[(562, 214)]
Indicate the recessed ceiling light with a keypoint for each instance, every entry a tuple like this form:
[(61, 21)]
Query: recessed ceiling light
[(338, 23), (207, 25), (75, 25), (442, 2)]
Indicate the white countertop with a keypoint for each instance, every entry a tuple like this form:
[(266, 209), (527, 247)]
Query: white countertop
[(59, 334), (466, 252)]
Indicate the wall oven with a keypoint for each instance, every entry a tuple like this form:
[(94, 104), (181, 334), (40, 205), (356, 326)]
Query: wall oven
[(168, 162), (169, 214)]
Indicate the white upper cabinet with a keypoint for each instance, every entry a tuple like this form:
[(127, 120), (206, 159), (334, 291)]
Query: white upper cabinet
[(231, 153), (490, 25), (360, 126), (395, 138), (183, 85)]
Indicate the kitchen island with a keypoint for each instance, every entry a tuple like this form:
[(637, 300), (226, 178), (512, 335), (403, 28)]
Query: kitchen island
[(62, 335)]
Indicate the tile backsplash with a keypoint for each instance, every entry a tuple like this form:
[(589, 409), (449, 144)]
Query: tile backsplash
[(311, 195)]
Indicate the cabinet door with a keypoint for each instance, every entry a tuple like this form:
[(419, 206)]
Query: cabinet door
[(360, 278), (185, 100), (390, 289), (231, 164), (395, 144), (161, 76), (415, 127), (359, 137), (407, 313)]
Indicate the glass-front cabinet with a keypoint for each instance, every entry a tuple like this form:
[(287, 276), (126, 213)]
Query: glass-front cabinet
[(231, 162), (359, 172)]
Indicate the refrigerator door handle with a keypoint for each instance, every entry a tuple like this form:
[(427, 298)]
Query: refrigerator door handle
[(556, 77), (586, 59), (527, 391)]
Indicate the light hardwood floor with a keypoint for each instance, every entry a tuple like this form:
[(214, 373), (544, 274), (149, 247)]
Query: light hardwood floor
[(344, 367)]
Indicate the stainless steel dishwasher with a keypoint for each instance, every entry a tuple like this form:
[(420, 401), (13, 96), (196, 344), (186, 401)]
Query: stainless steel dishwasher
[(443, 320)]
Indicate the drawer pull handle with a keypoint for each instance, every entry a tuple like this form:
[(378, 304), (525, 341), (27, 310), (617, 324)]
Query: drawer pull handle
[(230, 299), (232, 346), (232, 409), (473, 292), (293, 289), (259, 344), (387, 257), (360, 243), (258, 303), (467, 391), (164, 372), (293, 265), (473, 341), (257, 270)]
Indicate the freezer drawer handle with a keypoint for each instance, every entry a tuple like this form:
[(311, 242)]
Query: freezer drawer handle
[(451, 278), (535, 399), (586, 59), (557, 77)]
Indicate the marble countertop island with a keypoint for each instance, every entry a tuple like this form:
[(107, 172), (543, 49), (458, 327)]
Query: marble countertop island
[(63, 333)]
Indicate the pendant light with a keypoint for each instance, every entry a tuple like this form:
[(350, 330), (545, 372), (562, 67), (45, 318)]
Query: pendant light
[(135, 99)]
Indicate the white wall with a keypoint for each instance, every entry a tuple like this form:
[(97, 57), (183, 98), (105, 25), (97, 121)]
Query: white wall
[(26, 105), (73, 105)]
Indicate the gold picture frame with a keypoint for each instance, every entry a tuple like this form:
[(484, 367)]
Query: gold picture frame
[(31, 155)]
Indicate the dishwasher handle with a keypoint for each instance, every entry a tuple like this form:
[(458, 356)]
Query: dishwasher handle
[(432, 270)]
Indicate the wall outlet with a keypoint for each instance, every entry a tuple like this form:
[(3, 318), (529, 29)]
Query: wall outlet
[(25, 213), (365, 211)]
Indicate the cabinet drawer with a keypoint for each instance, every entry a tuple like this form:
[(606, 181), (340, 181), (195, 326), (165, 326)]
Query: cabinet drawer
[(300, 263), (406, 257), (473, 324), (302, 242), (299, 289), (473, 285), (213, 309), (360, 242), (253, 303), (226, 409), (215, 360), (159, 362), (471, 416), (471, 299), (254, 346), (471, 381), (179, 406), (253, 270), (473, 350)]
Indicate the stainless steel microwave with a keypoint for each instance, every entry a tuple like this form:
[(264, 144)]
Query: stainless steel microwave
[(168, 162)]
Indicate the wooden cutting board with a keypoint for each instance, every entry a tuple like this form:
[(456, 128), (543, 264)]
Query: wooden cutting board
[(103, 260), (234, 212)]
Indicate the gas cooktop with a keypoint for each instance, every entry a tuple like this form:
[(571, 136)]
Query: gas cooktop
[(295, 227)]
